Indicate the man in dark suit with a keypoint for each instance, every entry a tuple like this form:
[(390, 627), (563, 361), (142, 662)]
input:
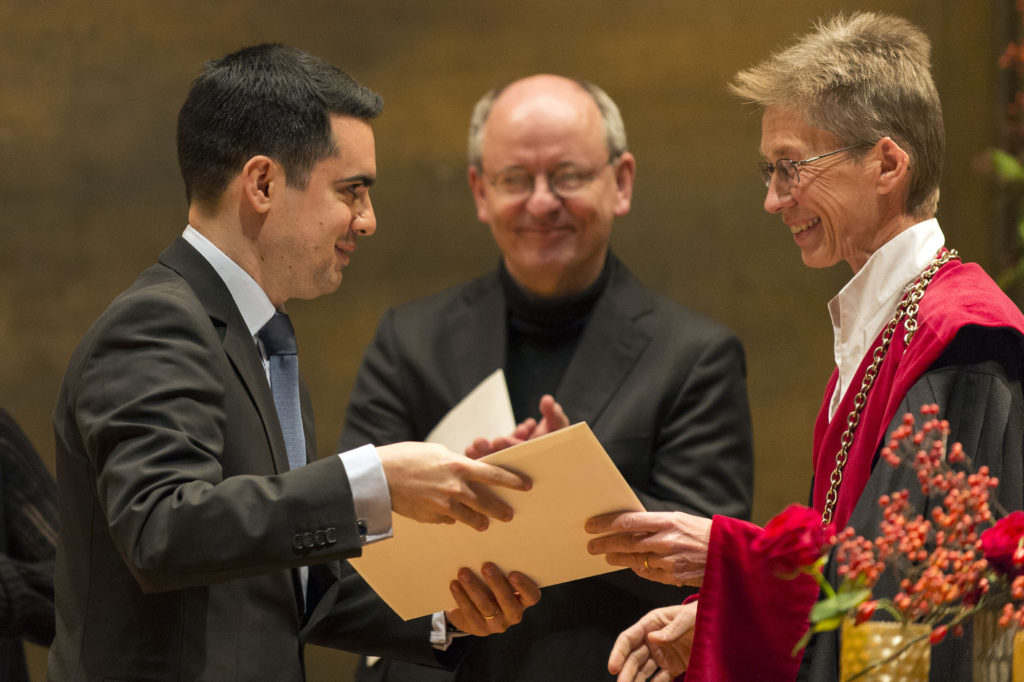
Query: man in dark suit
[(28, 539), (191, 549), (662, 387)]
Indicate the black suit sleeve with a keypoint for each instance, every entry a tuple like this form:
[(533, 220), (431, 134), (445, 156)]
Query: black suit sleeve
[(352, 617), (702, 460), (28, 535)]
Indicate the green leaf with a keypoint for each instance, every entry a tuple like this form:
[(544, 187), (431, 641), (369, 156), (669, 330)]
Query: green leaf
[(838, 606), (1007, 166), (832, 623)]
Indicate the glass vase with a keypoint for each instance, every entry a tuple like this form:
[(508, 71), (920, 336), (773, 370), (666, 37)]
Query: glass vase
[(864, 645), (998, 654)]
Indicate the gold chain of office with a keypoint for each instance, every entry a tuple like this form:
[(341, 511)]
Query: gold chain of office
[(906, 312)]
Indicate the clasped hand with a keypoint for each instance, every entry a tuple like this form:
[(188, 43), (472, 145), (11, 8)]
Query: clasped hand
[(657, 647), (552, 418)]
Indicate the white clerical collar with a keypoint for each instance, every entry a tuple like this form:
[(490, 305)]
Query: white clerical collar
[(868, 301), (249, 296)]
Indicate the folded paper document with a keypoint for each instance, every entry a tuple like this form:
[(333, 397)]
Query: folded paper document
[(573, 479), (485, 413)]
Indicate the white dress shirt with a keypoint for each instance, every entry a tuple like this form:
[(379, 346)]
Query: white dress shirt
[(862, 309)]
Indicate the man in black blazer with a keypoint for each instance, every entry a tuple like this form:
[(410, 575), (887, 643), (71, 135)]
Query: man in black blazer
[(28, 540), (662, 387), (189, 549)]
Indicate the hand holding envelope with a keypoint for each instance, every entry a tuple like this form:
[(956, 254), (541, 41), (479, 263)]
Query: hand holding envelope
[(491, 604), (432, 485), (573, 480)]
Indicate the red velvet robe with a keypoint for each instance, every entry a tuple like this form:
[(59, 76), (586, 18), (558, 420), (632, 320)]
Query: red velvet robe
[(748, 620)]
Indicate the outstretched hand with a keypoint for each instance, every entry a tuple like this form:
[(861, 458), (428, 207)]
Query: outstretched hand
[(430, 484), (666, 547), (657, 647), (552, 418), (493, 604)]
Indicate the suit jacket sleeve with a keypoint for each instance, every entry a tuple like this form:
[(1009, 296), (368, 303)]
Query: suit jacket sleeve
[(702, 457), (28, 535), (351, 616)]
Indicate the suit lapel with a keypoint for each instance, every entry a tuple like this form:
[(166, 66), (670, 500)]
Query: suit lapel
[(609, 348), (238, 343), (479, 334)]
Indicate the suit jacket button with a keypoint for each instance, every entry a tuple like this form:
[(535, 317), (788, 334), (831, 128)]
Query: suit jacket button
[(332, 536), (307, 540), (320, 539), (297, 542)]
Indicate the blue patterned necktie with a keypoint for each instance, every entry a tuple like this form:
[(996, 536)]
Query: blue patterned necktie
[(278, 339)]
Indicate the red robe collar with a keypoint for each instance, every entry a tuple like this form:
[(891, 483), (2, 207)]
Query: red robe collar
[(959, 295)]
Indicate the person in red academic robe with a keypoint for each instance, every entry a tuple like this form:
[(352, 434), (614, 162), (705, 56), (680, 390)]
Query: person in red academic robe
[(852, 138)]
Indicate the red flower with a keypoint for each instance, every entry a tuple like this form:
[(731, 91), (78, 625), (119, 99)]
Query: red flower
[(1001, 543), (865, 610), (792, 540)]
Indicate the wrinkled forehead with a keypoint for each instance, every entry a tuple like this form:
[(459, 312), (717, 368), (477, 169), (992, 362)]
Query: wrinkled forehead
[(565, 121), (786, 134)]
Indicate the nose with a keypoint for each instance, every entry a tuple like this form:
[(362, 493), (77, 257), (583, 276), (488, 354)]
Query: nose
[(365, 221), (542, 199), (777, 197)]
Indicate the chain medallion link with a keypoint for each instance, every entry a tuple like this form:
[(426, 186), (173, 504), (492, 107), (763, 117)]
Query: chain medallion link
[(906, 312)]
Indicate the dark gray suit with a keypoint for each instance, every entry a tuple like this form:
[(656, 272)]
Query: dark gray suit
[(180, 522), (28, 538), (663, 389)]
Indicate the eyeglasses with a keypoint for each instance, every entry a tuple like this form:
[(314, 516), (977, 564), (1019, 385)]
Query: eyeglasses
[(787, 171), (565, 181)]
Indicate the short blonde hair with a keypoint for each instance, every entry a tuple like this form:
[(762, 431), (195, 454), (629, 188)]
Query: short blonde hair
[(861, 78)]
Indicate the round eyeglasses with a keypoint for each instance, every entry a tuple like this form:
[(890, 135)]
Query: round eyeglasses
[(787, 170), (564, 181)]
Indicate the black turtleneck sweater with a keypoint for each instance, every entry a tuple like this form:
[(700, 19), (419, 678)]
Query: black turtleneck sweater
[(542, 336)]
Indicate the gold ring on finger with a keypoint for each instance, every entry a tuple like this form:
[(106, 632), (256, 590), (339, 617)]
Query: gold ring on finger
[(493, 615), (647, 565)]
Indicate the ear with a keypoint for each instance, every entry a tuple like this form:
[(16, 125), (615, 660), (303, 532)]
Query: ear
[(261, 178), (625, 174), (477, 185), (894, 166)]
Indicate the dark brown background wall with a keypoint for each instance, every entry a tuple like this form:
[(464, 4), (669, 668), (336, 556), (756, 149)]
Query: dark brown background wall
[(89, 189)]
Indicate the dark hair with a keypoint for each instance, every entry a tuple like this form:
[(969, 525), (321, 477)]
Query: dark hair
[(267, 99)]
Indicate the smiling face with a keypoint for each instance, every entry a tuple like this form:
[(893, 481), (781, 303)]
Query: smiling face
[(838, 211), (308, 235), (543, 125)]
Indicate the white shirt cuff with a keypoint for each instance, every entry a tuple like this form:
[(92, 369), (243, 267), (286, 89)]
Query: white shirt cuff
[(369, 492), (441, 635)]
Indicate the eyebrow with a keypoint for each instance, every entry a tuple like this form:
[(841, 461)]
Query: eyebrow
[(365, 180)]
